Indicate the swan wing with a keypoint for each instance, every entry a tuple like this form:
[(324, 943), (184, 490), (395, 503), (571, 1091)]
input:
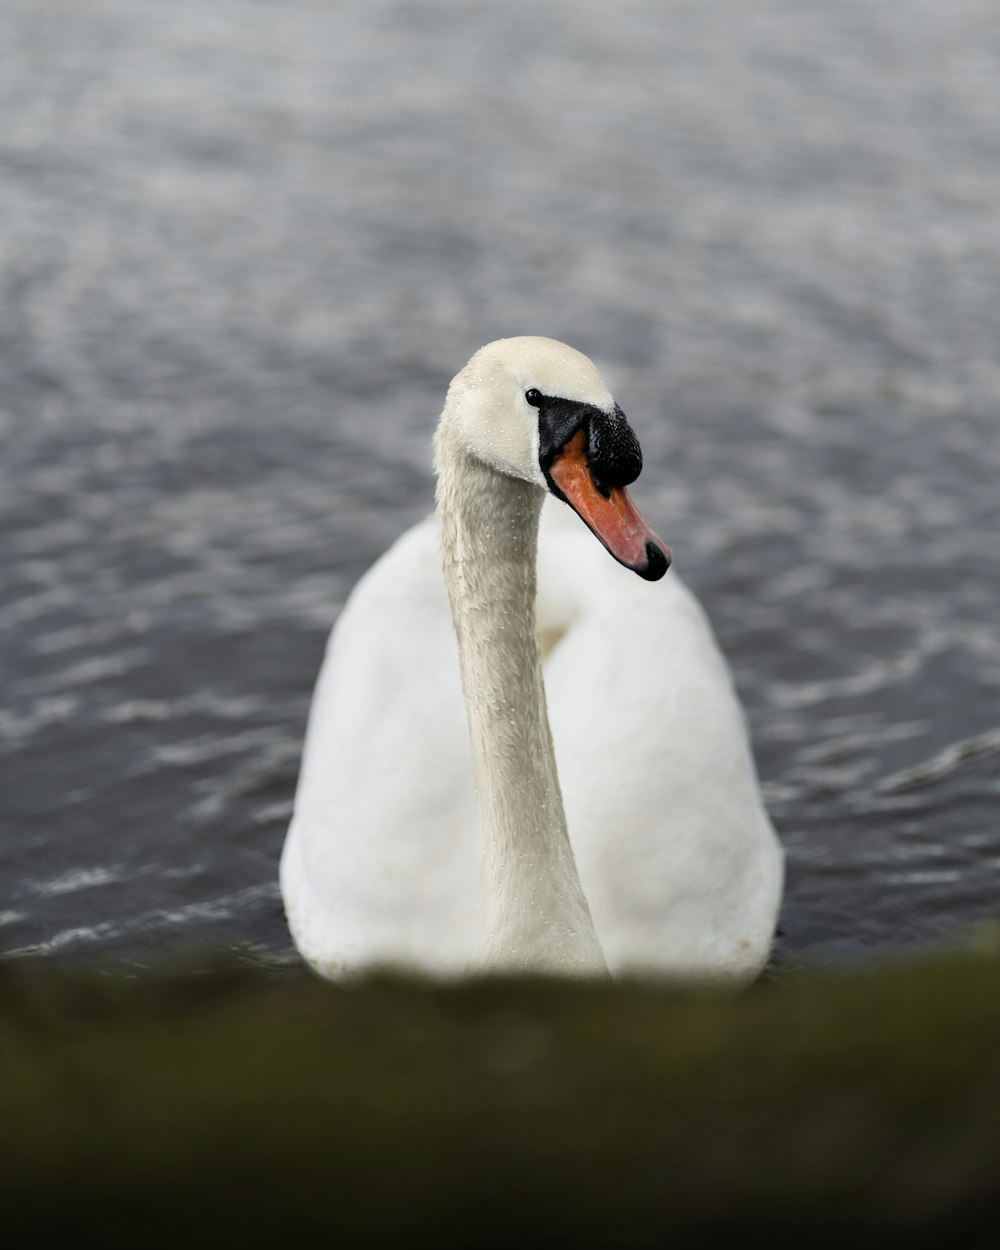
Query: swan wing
[(380, 865), (678, 859)]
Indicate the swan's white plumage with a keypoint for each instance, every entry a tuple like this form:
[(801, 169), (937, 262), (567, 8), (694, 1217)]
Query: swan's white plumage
[(380, 865), (677, 858)]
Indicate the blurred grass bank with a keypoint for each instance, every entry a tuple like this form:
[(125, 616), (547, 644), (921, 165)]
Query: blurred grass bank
[(237, 1106)]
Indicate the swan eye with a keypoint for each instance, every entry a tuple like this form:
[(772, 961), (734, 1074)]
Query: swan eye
[(534, 398)]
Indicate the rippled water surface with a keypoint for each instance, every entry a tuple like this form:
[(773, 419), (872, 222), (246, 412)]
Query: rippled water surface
[(244, 245)]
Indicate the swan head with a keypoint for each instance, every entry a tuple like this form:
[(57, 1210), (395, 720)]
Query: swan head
[(537, 410)]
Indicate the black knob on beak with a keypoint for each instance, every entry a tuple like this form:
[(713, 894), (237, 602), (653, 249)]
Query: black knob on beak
[(613, 450)]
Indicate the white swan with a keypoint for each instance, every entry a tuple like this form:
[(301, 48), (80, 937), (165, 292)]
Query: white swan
[(430, 838)]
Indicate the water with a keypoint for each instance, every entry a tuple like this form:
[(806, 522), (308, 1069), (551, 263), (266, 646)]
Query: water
[(244, 246)]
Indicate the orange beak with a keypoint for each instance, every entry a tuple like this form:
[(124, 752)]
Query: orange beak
[(610, 514)]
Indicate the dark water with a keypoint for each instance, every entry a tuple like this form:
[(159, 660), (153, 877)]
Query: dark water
[(243, 246)]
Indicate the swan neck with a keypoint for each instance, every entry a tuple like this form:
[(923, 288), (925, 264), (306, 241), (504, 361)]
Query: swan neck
[(533, 913)]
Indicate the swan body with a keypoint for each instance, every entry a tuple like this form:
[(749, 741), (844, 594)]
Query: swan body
[(453, 813)]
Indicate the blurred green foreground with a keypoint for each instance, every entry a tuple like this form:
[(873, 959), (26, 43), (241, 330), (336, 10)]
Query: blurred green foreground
[(239, 1107)]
